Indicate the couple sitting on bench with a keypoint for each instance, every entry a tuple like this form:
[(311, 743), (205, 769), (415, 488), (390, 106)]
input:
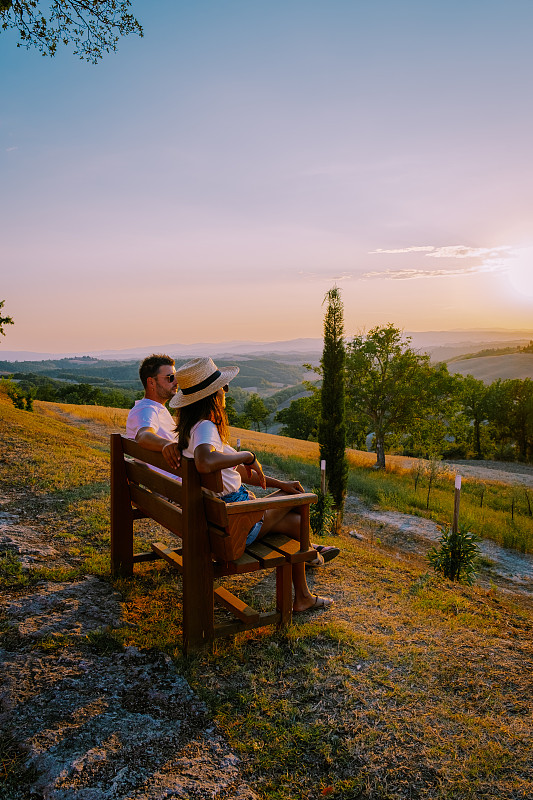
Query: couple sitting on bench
[(202, 434)]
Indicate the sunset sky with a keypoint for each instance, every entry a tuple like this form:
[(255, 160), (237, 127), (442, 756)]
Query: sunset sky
[(214, 179)]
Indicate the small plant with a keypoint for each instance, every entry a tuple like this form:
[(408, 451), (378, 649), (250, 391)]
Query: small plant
[(457, 556), (322, 515)]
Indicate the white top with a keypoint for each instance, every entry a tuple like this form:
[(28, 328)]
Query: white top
[(205, 432), (150, 414)]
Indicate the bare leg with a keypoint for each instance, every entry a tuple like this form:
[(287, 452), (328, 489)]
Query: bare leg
[(288, 522)]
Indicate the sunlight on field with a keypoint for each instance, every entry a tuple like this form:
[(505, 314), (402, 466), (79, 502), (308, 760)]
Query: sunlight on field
[(111, 417), (308, 451)]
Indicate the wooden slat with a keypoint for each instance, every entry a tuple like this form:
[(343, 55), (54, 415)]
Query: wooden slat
[(231, 628), (239, 609), (246, 563), (139, 557), (135, 450), (266, 555), (261, 503), (140, 473), (168, 515), (172, 556), (289, 547)]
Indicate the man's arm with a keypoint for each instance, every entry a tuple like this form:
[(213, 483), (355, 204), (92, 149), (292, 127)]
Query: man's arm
[(148, 438)]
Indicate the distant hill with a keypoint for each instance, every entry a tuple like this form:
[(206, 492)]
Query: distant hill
[(441, 345), (490, 368)]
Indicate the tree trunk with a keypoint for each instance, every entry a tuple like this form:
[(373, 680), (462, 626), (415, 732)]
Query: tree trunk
[(380, 452)]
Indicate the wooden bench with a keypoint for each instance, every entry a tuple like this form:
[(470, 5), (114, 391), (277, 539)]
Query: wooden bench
[(213, 536)]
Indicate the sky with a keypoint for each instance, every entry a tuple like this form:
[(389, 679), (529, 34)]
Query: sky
[(213, 179)]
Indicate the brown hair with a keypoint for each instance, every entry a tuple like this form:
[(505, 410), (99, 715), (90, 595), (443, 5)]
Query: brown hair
[(150, 366), (210, 408)]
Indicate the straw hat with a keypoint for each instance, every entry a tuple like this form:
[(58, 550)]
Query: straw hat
[(199, 378)]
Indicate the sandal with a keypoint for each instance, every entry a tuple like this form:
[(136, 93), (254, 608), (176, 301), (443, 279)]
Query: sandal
[(318, 561), (320, 602), (323, 553)]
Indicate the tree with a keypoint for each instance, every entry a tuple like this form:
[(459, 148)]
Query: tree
[(300, 419), (4, 320), (92, 28), (392, 386), (332, 426), (473, 395), (256, 411), (510, 409)]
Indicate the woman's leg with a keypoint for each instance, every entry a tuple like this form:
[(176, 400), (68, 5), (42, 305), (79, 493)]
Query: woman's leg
[(288, 522)]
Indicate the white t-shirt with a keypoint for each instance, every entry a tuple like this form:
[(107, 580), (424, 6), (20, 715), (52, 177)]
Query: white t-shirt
[(150, 414), (205, 432)]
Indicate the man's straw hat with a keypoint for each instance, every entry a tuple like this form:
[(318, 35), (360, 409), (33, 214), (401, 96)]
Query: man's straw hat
[(198, 379)]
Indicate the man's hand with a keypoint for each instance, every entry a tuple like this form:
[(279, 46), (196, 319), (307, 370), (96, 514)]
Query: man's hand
[(172, 454)]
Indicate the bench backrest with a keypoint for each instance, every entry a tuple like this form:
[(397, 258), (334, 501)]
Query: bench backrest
[(181, 500)]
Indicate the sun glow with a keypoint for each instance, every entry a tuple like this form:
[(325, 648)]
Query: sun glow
[(520, 272)]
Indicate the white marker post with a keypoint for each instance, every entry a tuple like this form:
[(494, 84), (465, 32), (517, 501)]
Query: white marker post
[(238, 444), (323, 477), (457, 497)]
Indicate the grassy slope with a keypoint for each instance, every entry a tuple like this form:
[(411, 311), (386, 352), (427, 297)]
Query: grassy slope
[(408, 688)]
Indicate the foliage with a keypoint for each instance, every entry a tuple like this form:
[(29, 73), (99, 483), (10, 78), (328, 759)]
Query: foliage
[(456, 557), (20, 399), (92, 28), (300, 419), (510, 410), (322, 514), (256, 411), (393, 387), (4, 320), (332, 426)]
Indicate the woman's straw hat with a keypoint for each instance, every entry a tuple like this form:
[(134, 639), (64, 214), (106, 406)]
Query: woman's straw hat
[(199, 378)]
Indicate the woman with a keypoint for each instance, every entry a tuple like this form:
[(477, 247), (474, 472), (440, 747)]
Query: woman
[(202, 427)]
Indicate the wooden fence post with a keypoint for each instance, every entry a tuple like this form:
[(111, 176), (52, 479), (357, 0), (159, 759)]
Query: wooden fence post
[(457, 498)]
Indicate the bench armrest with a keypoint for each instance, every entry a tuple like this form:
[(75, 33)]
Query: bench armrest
[(272, 501)]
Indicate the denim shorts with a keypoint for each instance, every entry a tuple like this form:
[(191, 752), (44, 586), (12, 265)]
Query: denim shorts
[(241, 494)]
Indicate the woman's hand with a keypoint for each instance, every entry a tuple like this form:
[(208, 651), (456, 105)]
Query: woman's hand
[(291, 487)]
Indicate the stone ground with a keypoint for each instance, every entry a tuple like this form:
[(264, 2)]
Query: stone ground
[(94, 724)]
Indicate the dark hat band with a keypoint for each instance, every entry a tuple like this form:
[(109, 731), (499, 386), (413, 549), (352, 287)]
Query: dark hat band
[(199, 386)]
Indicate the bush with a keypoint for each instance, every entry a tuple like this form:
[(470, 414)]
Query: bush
[(322, 516), (457, 556)]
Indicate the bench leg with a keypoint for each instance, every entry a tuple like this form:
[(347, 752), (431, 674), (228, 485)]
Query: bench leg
[(284, 593), (121, 513)]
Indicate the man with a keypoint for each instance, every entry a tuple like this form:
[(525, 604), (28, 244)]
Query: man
[(149, 422)]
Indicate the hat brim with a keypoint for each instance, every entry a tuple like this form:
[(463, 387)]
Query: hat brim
[(226, 375)]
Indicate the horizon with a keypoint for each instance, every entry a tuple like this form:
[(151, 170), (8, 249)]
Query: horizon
[(431, 340), (211, 181)]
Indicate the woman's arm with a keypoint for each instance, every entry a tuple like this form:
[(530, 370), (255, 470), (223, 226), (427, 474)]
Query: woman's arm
[(207, 459)]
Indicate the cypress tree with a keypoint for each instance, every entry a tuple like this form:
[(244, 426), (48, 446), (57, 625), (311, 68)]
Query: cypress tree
[(332, 427)]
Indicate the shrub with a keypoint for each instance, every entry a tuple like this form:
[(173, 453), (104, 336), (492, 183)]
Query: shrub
[(457, 556), (322, 515)]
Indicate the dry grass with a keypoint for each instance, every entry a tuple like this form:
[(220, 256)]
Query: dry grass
[(408, 688)]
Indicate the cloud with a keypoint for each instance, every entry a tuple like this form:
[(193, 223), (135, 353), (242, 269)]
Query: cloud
[(449, 251), (412, 274), (10, 149), (403, 250)]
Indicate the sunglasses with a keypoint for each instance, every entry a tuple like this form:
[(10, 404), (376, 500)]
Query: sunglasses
[(226, 387), (169, 378)]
